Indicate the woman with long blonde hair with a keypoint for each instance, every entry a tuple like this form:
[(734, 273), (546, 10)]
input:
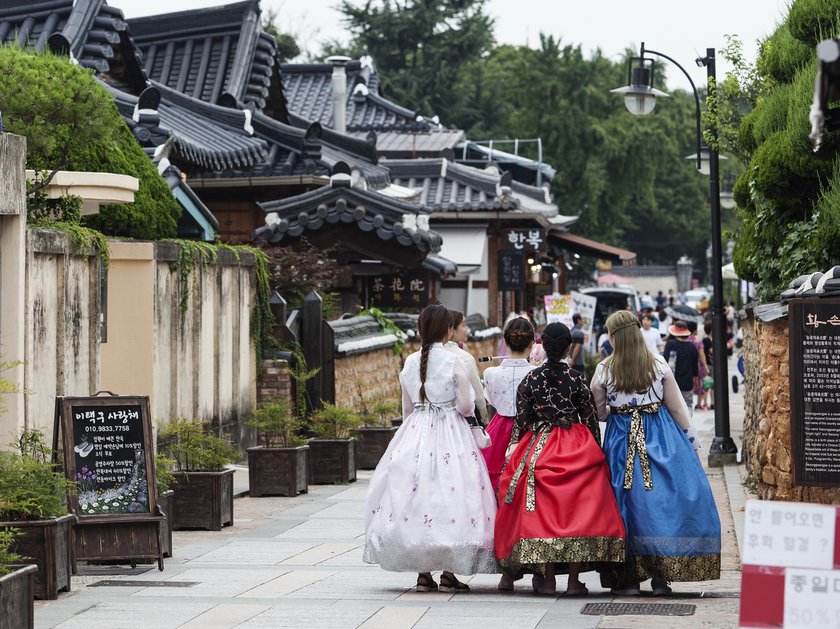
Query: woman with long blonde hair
[(673, 530)]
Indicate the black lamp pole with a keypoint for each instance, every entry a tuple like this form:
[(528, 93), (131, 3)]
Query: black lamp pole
[(723, 449)]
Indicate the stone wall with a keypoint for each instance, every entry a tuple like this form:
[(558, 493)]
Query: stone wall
[(274, 382), (767, 440), (478, 348), (374, 374)]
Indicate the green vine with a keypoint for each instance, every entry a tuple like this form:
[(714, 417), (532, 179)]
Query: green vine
[(86, 241), (387, 325), (190, 252)]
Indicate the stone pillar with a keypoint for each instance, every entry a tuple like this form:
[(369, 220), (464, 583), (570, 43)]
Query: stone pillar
[(274, 382), (12, 276), (684, 268)]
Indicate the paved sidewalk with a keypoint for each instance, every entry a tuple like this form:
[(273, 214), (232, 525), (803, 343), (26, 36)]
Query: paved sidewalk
[(296, 562)]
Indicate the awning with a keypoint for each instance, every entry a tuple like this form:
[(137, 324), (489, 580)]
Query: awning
[(591, 248), (465, 245)]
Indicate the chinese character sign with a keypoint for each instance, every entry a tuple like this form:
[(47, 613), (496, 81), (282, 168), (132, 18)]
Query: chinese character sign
[(408, 289)]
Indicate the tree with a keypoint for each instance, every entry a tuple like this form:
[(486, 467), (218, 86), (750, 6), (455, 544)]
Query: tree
[(71, 122), (421, 47), (287, 46)]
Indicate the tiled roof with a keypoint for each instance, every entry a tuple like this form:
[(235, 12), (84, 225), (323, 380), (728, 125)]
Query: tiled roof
[(309, 95), (445, 186), (399, 144), (218, 55), (339, 202), (173, 178), (89, 30), (206, 137)]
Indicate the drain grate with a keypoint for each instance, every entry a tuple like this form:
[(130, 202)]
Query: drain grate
[(637, 609), (128, 583)]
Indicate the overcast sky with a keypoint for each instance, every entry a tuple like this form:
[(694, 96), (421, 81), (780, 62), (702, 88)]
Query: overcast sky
[(682, 29)]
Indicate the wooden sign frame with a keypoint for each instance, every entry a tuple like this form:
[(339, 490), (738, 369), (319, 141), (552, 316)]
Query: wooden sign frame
[(64, 407), (797, 313)]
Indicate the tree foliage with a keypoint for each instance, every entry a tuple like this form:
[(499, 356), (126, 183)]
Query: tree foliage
[(71, 122), (789, 198), (287, 46)]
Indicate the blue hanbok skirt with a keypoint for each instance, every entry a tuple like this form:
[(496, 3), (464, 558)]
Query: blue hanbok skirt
[(673, 529)]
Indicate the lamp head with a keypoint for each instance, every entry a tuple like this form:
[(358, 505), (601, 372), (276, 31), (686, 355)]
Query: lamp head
[(639, 96)]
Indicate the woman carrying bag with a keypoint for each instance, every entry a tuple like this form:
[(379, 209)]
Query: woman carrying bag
[(673, 530)]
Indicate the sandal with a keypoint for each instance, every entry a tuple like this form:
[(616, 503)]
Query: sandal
[(451, 584), (425, 583)]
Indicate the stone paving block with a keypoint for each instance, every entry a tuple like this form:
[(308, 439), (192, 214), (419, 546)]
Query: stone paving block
[(223, 582), (286, 584), (323, 552), (359, 584), (332, 616), (481, 616), (394, 617), (342, 511), (327, 529), (225, 616), (268, 552), (136, 615)]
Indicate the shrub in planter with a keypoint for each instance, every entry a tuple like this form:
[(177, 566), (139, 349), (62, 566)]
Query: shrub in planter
[(373, 437), (17, 586), (278, 464), (33, 500), (333, 451), (203, 486)]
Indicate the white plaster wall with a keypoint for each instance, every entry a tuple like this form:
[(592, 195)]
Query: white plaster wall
[(228, 311), (166, 296), (208, 336)]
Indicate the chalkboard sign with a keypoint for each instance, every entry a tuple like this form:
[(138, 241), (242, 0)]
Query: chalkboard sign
[(108, 452), (814, 327), (511, 270)]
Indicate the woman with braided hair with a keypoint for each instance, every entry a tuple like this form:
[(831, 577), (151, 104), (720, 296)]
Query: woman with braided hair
[(556, 505), (430, 504), (673, 530)]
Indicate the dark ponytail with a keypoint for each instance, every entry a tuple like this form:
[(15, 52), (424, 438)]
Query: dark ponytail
[(519, 334), (433, 325), (556, 340)]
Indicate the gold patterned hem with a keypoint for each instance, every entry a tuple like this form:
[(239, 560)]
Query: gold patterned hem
[(674, 568), (529, 555)]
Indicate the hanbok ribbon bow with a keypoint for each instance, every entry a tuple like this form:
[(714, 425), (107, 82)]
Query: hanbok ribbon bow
[(540, 431), (636, 442)]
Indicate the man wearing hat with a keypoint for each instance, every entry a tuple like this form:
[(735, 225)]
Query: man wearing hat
[(685, 366)]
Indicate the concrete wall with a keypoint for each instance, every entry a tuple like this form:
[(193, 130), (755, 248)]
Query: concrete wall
[(767, 438), (196, 363)]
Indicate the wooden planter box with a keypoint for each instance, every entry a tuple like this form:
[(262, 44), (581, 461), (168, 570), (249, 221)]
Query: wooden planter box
[(203, 500), (47, 544), (397, 421), (277, 471), (167, 505), (17, 598), (332, 461), (371, 444)]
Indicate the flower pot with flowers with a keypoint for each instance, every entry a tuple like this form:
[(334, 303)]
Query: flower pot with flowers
[(333, 451), (278, 464), (33, 501), (17, 586), (203, 483)]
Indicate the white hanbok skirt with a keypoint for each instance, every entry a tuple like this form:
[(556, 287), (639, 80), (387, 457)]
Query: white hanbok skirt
[(430, 504)]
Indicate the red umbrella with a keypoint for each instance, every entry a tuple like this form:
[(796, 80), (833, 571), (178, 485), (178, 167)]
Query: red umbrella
[(612, 278)]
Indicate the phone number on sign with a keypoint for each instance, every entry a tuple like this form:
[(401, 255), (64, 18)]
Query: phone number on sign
[(106, 429)]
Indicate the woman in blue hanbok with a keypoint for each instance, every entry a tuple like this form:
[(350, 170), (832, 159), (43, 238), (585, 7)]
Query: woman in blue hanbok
[(673, 530)]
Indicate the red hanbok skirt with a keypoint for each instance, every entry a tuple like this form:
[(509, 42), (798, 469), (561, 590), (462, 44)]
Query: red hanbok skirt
[(562, 509), (499, 430)]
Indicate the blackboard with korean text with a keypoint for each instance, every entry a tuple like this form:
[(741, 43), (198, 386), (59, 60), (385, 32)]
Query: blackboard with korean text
[(814, 332), (408, 289), (511, 270), (108, 452)]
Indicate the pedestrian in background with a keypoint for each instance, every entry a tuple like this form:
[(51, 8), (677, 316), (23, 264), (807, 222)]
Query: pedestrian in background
[(578, 339), (702, 369), (556, 505), (456, 342), (673, 530), (682, 354), (430, 505), (651, 335)]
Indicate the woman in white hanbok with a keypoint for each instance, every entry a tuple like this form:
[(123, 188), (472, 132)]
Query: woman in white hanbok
[(430, 504)]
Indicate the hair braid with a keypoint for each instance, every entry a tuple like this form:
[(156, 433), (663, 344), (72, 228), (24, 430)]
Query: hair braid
[(556, 340), (424, 360)]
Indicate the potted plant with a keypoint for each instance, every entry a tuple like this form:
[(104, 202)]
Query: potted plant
[(332, 451), (277, 465), (203, 485), (17, 586), (166, 499), (33, 500), (375, 434)]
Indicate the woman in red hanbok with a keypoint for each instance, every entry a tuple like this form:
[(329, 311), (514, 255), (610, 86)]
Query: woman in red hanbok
[(556, 504)]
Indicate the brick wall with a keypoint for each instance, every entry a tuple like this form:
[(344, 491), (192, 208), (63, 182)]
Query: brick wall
[(767, 441), (274, 381)]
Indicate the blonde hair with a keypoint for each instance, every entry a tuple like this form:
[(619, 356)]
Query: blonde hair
[(632, 367)]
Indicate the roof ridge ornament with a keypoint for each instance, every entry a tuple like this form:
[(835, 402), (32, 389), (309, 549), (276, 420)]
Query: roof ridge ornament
[(409, 221), (249, 128)]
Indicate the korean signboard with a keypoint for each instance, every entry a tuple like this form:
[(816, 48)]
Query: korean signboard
[(525, 240), (562, 307), (406, 289), (511, 270)]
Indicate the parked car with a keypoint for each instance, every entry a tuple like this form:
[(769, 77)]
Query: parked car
[(610, 300), (695, 296)]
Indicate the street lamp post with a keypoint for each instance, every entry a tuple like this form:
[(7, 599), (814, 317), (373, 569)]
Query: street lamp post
[(640, 99)]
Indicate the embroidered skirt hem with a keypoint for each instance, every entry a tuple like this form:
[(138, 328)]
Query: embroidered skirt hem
[(529, 555)]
